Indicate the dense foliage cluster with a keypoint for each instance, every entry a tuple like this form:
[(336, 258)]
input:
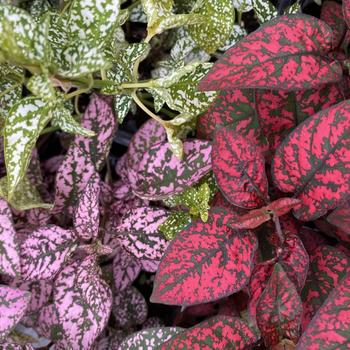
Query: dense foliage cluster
[(225, 224)]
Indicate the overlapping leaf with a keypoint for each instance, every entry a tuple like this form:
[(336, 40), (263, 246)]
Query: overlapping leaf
[(9, 254), (340, 217), (81, 294), (216, 333), (45, 251), (205, 262), (328, 266), (239, 169), (154, 336), (160, 173), (329, 329), (313, 163), (13, 304), (274, 57), (279, 309)]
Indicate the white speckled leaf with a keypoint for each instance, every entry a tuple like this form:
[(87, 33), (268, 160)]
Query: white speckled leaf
[(242, 5), (219, 20), (237, 34), (149, 339), (11, 92), (41, 86), (121, 105), (156, 9), (58, 35), (93, 20), (138, 15), (264, 10), (9, 253), (174, 21), (27, 119)]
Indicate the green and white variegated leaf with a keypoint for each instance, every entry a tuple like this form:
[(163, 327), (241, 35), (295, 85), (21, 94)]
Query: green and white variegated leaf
[(156, 9), (62, 118), (10, 93), (219, 20), (175, 223), (174, 141), (81, 58), (27, 119), (7, 69), (26, 195), (93, 20), (264, 10), (184, 44), (122, 17), (121, 106), (58, 35), (237, 34), (42, 49), (242, 5), (295, 8), (41, 86), (38, 7), (137, 15), (158, 102), (17, 29), (166, 68), (179, 90), (175, 21)]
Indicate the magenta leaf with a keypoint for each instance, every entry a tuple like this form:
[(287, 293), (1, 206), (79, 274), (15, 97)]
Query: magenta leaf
[(205, 262), (239, 169), (161, 173), (86, 216), (45, 252), (340, 217), (139, 235), (129, 308), (9, 253), (13, 305), (83, 302)]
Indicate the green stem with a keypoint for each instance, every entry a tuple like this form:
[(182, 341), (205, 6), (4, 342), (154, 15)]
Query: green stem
[(151, 104), (239, 17), (82, 90), (138, 85), (49, 129), (135, 70)]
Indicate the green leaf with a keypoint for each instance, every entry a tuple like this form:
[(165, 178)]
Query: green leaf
[(174, 21), (10, 93), (264, 10), (26, 196), (121, 106), (42, 49), (58, 34), (242, 5), (27, 119), (219, 20), (175, 223), (93, 20), (41, 86), (236, 35), (156, 9), (39, 7), (295, 8), (80, 58), (138, 15), (61, 117)]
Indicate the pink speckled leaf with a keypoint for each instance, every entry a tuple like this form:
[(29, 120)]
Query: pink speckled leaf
[(313, 162), (13, 304), (121, 168), (129, 308), (49, 325), (217, 333), (239, 169), (149, 134), (86, 217), (149, 338), (83, 301), (126, 268), (138, 233), (161, 173), (45, 252), (205, 262), (9, 253)]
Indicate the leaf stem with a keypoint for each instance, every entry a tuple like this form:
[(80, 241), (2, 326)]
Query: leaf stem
[(138, 85), (278, 228), (82, 90), (239, 17)]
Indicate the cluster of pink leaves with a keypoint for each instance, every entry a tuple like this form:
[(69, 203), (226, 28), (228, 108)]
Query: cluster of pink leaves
[(277, 140)]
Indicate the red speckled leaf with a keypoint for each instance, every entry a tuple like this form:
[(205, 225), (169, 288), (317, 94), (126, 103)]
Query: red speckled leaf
[(311, 239), (45, 252), (86, 216), (332, 14), (282, 206), (239, 169), (313, 162), (217, 333), (295, 260), (126, 268), (279, 309), (129, 308), (205, 262), (138, 233), (329, 329), (346, 11), (328, 265), (149, 134), (276, 57), (83, 302), (13, 304), (161, 173), (340, 217), (9, 253)]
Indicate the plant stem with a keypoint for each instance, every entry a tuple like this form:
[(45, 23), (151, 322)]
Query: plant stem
[(137, 85), (82, 90), (278, 228), (151, 104), (239, 17)]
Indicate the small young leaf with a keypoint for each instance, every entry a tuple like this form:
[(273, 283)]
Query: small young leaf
[(174, 224), (45, 251), (41, 86), (239, 169), (217, 333), (188, 273), (313, 162), (13, 304), (214, 31), (279, 309)]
